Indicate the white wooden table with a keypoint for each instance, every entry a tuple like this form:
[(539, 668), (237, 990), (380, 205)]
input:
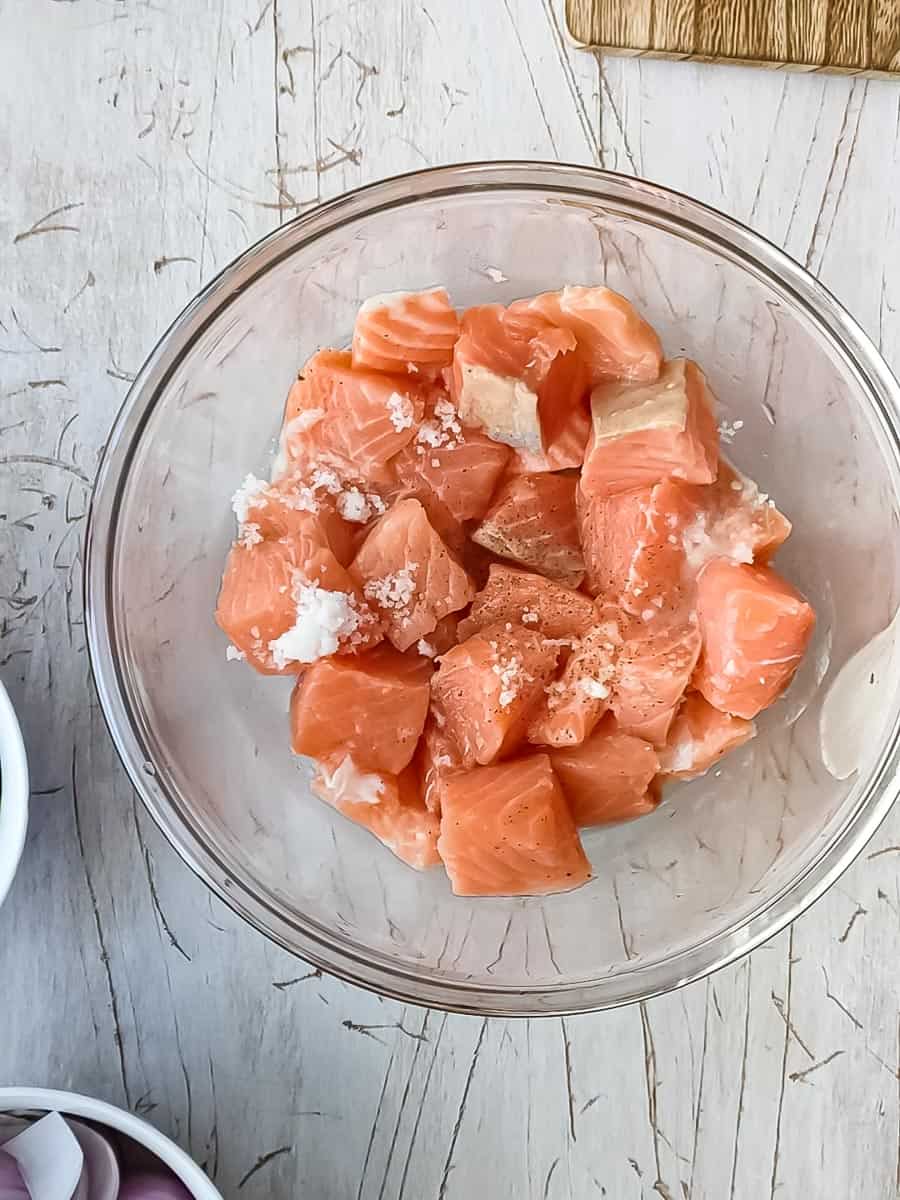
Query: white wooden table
[(143, 144)]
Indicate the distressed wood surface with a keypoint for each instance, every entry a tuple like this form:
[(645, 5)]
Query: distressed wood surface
[(832, 35), (146, 142)]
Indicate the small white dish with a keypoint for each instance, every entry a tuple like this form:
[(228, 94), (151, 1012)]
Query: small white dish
[(69, 1104), (13, 793)]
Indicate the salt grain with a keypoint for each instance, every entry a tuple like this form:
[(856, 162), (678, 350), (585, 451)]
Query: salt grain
[(401, 411), (323, 620), (249, 535), (251, 494), (393, 591)]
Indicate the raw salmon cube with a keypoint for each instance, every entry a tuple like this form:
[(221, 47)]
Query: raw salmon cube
[(533, 522), (608, 777), (389, 806), (643, 433), (459, 465), (436, 758), (529, 601), (284, 508), (507, 831), (516, 375), (405, 332), (408, 575), (255, 603), (287, 601), (574, 703), (653, 670), (486, 688), (634, 546), (755, 630), (350, 421), (699, 737), (614, 341), (372, 707), (732, 519)]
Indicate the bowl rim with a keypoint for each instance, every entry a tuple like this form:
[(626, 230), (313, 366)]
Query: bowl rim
[(14, 793), (74, 1104), (332, 951)]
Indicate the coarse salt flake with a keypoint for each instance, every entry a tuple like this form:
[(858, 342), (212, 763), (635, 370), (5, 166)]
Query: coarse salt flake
[(426, 648), (401, 411), (249, 535), (393, 591), (594, 689), (327, 479), (728, 430), (251, 494), (509, 672), (323, 620), (354, 506), (232, 654)]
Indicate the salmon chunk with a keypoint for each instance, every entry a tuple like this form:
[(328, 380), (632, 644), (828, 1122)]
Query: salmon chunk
[(507, 831), (372, 707), (755, 630), (516, 375), (613, 340), (287, 601), (699, 737), (634, 546), (530, 601), (408, 575), (487, 687), (460, 466), (653, 670), (574, 703), (730, 519), (351, 421), (645, 432), (389, 806), (405, 333), (532, 521), (608, 777)]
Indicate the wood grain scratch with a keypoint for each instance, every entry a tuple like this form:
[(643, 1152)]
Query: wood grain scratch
[(263, 1161), (415, 1129), (98, 927), (831, 996), (567, 1059), (788, 1030), (46, 225), (800, 1076), (402, 1109), (651, 1084), (860, 912), (460, 1112)]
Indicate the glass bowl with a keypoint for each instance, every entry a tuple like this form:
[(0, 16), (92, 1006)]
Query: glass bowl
[(726, 860)]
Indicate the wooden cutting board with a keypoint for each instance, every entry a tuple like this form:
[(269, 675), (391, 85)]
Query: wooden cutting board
[(853, 36)]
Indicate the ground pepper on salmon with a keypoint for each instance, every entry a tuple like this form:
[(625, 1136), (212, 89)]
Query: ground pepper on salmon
[(519, 586)]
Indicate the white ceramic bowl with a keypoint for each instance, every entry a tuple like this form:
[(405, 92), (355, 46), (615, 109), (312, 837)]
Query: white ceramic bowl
[(72, 1105), (13, 793)]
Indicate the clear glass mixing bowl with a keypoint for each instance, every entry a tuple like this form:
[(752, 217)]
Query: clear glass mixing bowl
[(726, 860)]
